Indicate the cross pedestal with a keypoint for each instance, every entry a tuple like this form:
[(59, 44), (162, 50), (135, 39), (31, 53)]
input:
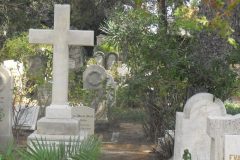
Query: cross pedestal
[(58, 120)]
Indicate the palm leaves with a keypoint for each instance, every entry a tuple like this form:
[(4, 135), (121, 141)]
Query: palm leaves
[(87, 149)]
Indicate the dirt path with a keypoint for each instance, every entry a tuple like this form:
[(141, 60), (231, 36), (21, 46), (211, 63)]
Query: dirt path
[(130, 143)]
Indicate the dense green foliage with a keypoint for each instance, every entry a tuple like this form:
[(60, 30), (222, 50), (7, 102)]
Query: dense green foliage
[(169, 63), (232, 108)]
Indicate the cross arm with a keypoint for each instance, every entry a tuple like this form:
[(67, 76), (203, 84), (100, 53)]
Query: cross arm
[(41, 36), (81, 37)]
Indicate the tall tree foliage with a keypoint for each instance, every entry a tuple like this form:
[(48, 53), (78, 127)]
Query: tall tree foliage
[(170, 61)]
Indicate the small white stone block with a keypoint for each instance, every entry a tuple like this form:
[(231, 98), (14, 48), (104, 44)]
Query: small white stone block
[(58, 112), (86, 117), (232, 147)]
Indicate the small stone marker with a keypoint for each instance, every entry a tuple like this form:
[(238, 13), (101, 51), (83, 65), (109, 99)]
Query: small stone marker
[(86, 117), (111, 58), (225, 136), (191, 126), (99, 57), (5, 107), (94, 77)]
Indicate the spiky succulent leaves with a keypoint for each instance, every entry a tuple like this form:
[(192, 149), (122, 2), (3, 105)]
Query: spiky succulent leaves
[(9, 154), (89, 149), (40, 150)]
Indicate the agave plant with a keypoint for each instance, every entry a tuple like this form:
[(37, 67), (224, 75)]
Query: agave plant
[(87, 149)]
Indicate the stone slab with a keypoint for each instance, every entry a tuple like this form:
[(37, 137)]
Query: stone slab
[(86, 116), (232, 147), (58, 126), (26, 117)]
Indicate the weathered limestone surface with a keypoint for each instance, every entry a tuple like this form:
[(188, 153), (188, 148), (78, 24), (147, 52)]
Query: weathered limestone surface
[(5, 107), (191, 126), (86, 116), (218, 127)]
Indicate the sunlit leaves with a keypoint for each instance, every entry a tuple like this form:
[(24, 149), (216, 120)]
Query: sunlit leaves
[(187, 18)]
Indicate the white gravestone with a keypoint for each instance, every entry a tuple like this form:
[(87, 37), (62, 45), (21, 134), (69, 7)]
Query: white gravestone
[(26, 117), (224, 132), (58, 124), (191, 126), (86, 116), (5, 107)]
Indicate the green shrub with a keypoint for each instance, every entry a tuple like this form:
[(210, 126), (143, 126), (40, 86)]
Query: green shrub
[(127, 114), (232, 108)]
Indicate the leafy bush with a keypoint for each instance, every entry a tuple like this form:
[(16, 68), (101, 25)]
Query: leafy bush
[(232, 108), (127, 114), (88, 149)]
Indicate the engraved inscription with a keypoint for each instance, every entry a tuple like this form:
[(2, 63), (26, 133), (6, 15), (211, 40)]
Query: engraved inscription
[(234, 157)]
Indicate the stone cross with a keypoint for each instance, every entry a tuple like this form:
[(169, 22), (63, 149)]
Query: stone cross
[(61, 37)]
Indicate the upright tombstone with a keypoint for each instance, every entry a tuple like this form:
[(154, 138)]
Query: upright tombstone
[(95, 78), (99, 57), (86, 117), (25, 118), (6, 91), (59, 124), (225, 137), (191, 126), (77, 56), (111, 58)]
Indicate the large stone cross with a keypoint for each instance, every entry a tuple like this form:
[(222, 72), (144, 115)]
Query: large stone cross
[(61, 37)]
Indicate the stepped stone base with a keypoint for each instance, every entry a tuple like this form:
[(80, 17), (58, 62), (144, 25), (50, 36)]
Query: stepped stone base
[(47, 126), (53, 139)]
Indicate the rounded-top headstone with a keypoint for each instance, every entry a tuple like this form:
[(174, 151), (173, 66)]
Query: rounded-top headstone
[(99, 57), (202, 100), (111, 58), (93, 77)]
